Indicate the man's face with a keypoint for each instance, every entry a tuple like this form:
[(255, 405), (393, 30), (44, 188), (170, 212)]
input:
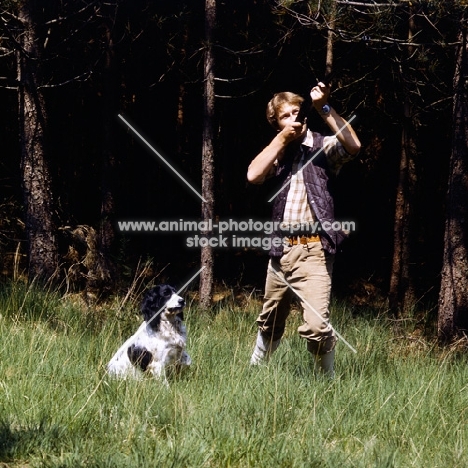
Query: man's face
[(287, 114)]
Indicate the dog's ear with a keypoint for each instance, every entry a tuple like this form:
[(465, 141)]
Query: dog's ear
[(146, 302), (166, 292), (151, 305)]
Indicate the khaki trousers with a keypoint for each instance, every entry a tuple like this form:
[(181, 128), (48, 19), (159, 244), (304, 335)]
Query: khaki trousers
[(308, 270)]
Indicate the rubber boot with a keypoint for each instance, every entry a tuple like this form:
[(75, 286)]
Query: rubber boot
[(324, 364), (264, 348)]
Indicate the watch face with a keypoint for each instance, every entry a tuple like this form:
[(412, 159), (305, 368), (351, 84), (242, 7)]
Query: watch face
[(326, 109)]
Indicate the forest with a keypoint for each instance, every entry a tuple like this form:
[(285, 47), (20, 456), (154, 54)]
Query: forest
[(151, 111)]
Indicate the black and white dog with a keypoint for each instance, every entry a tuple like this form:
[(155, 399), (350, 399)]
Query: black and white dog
[(159, 344)]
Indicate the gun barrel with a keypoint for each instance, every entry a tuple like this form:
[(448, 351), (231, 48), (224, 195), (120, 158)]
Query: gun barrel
[(303, 111), (329, 77)]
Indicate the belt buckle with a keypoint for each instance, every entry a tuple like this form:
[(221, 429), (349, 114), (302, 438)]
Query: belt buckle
[(303, 240)]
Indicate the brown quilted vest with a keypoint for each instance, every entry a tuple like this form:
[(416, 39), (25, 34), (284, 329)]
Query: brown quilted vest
[(317, 181)]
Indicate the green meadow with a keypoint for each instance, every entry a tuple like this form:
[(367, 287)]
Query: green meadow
[(400, 401)]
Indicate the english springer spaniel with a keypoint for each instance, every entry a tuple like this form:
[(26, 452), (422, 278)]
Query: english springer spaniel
[(158, 346)]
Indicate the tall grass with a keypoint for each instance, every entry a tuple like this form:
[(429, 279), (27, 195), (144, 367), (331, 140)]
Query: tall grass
[(398, 402)]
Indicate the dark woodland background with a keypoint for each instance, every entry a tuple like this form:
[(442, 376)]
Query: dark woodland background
[(143, 60)]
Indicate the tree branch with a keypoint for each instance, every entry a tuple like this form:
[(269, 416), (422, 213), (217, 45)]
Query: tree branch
[(10, 82), (61, 19), (230, 80), (5, 51), (240, 52), (373, 5), (11, 36), (10, 15), (63, 83)]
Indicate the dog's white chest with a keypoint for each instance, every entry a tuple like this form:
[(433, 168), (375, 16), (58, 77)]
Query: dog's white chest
[(172, 333)]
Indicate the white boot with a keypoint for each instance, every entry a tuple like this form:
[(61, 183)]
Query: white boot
[(263, 349), (324, 364)]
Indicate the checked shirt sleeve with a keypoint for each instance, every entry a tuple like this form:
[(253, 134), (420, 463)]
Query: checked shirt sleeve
[(336, 154)]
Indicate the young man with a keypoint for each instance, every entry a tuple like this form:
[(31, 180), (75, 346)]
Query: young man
[(301, 259)]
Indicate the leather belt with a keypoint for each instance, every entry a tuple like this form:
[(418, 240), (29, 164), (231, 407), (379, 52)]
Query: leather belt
[(295, 240)]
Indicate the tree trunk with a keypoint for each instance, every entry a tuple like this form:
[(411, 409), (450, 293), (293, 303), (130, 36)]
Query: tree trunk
[(453, 297), (104, 276), (207, 254), (37, 189), (401, 294), (401, 291), (182, 140), (330, 41)]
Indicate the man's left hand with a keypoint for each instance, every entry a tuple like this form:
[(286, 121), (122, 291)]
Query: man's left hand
[(320, 94)]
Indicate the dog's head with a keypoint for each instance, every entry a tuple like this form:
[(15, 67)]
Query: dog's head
[(163, 301)]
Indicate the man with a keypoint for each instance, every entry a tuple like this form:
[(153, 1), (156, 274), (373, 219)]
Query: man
[(302, 261)]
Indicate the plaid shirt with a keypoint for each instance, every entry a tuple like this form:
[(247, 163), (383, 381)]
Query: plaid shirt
[(297, 209)]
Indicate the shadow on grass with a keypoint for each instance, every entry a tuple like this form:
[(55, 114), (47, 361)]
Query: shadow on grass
[(18, 442)]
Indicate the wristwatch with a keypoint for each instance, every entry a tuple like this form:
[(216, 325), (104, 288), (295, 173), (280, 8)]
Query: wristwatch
[(326, 109)]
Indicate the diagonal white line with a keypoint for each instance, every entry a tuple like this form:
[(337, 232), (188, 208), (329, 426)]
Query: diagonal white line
[(161, 157), (143, 325), (312, 309), (130, 340), (311, 159), (180, 289)]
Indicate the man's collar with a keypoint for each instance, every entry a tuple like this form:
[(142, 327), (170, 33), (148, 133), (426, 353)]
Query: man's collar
[(308, 139)]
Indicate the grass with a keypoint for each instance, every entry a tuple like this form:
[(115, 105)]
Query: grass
[(398, 402)]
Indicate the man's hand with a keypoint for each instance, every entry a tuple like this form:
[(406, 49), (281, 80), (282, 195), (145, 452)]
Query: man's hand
[(262, 165), (319, 95), (292, 131)]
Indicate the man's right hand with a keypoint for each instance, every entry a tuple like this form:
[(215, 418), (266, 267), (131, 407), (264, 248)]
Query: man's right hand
[(292, 131)]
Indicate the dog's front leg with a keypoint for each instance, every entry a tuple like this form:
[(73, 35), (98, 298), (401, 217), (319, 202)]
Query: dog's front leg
[(185, 360), (157, 370)]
